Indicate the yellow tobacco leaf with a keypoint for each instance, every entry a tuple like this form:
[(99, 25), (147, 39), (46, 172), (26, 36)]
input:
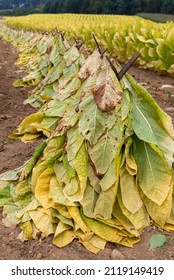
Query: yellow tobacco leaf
[(34, 204), (70, 172), (84, 236), (168, 227), (61, 227), (41, 166), (42, 222), (131, 165), (104, 204), (61, 218), (118, 214), (71, 188), (56, 192), (43, 186), (76, 216), (98, 242), (53, 145), (154, 175), (65, 238), (29, 137), (90, 241), (62, 210), (89, 200), (129, 193), (160, 214), (24, 127), (102, 230), (54, 220), (80, 165), (27, 229), (139, 219), (129, 241), (90, 247)]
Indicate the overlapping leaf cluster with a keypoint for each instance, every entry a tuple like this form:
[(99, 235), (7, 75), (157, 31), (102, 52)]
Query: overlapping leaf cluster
[(122, 35), (104, 173), (49, 61)]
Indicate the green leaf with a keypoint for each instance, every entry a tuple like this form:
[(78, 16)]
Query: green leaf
[(150, 122), (103, 153), (93, 122), (163, 50), (5, 196), (79, 163), (74, 142), (70, 89), (109, 178), (53, 74), (38, 151), (93, 179), (157, 240), (71, 55), (27, 229), (154, 176), (47, 92), (55, 109), (55, 54), (70, 172), (47, 124), (125, 105), (33, 205)]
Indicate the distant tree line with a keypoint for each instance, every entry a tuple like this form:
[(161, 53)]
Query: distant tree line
[(12, 4), (128, 7)]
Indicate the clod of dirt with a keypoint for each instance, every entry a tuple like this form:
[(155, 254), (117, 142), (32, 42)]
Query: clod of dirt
[(117, 255), (1, 148), (39, 256)]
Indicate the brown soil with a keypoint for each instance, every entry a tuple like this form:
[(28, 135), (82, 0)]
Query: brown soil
[(14, 153)]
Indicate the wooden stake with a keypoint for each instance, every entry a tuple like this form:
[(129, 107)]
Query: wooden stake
[(127, 66)]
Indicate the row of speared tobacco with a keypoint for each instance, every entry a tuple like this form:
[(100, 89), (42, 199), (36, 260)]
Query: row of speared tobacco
[(104, 169)]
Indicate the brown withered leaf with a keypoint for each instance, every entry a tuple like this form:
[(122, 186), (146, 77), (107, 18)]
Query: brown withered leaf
[(91, 66), (107, 91)]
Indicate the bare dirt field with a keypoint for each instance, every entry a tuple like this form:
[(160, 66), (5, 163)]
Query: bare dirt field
[(14, 153)]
